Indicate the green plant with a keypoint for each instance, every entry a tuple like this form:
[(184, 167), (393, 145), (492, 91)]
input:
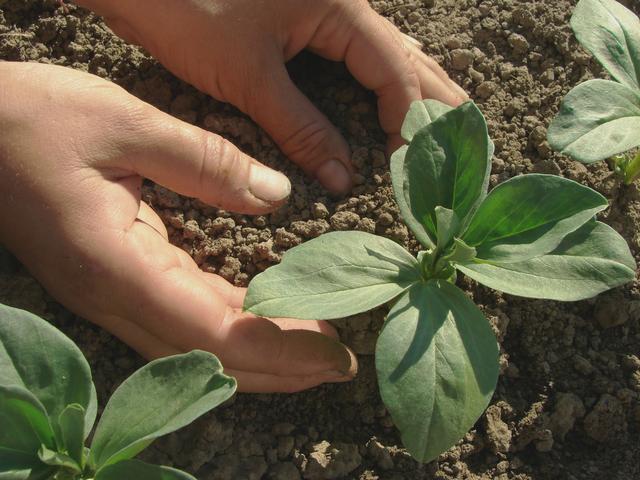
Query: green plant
[(48, 406), (437, 356), (600, 119)]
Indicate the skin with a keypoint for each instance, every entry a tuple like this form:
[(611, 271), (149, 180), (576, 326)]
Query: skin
[(70, 206)]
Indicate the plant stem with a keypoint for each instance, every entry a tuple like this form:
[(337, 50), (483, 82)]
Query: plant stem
[(632, 169)]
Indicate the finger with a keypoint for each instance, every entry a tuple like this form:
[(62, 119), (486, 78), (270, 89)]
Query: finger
[(151, 218), (185, 260), (273, 350), (232, 295), (150, 347), (147, 345), (434, 81), (180, 308), (301, 131), (376, 55), (319, 326), (265, 383), (418, 56), (355, 34), (197, 163)]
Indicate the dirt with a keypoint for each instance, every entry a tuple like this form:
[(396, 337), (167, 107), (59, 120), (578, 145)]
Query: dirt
[(567, 404)]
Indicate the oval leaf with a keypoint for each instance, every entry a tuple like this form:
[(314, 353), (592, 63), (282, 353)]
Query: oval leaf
[(421, 113), (398, 180), (589, 261), (161, 397), (38, 357), (71, 423), (333, 276), (24, 427), (437, 364), (135, 469), (529, 215), (60, 460), (597, 120), (448, 226), (611, 32), (446, 165)]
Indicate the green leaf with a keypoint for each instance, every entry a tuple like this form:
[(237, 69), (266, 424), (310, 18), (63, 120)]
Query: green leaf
[(421, 113), (589, 261), (38, 357), (161, 397), (398, 180), (445, 165), (57, 459), (447, 225), (25, 427), (437, 364), (14, 467), (461, 252), (597, 120), (611, 33), (335, 275), (529, 215), (135, 469), (71, 423)]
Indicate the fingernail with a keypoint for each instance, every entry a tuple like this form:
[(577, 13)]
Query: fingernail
[(334, 176), (267, 184), (349, 368), (409, 38)]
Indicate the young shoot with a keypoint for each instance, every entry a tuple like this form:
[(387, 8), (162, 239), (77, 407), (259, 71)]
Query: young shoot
[(600, 119), (437, 357), (48, 406)]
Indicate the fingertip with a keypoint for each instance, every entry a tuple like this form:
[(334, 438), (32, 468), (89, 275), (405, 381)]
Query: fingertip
[(335, 177), (463, 96), (268, 185), (394, 142)]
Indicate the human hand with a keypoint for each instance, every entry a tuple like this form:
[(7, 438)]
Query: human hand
[(235, 50), (73, 151)]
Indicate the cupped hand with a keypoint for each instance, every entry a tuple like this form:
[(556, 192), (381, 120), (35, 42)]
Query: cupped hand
[(235, 50), (73, 152)]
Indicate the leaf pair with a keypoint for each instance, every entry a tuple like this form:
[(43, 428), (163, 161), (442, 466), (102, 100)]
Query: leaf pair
[(48, 405), (533, 235), (600, 118), (436, 357), (451, 163)]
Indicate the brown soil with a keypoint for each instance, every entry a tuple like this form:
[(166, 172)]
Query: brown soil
[(567, 404)]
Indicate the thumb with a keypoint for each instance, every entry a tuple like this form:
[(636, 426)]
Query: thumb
[(197, 163), (301, 131)]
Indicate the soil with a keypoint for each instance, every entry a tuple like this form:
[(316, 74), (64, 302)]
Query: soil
[(567, 404)]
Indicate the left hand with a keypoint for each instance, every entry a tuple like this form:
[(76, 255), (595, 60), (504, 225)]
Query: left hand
[(235, 50), (73, 151)]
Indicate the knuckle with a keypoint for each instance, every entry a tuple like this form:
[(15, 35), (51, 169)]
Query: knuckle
[(309, 145), (220, 159), (279, 358)]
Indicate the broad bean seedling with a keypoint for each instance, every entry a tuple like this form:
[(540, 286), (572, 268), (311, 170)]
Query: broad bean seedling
[(48, 406), (436, 356), (600, 119)]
